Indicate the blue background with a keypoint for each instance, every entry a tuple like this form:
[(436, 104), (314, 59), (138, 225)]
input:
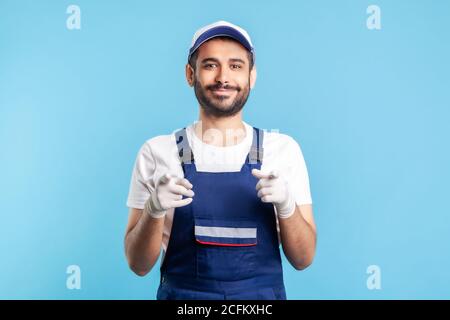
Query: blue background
[(370, 109)]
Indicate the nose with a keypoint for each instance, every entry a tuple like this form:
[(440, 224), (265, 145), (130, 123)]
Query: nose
[(222, 76)]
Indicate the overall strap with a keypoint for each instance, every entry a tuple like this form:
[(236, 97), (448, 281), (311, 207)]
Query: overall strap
[(256, 150), (184, 149)]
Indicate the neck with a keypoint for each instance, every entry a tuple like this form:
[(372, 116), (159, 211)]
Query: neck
[(221, 132)]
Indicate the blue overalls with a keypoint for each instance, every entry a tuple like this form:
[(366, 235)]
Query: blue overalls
[(224, 244)]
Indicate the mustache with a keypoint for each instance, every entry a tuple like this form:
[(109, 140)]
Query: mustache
[(220, 86)]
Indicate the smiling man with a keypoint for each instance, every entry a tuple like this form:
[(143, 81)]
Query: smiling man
[(219, 196)]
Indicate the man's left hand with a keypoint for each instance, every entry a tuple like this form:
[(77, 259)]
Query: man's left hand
[(273, 188)]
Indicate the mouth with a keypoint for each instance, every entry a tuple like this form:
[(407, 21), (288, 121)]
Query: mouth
[(223, 91)]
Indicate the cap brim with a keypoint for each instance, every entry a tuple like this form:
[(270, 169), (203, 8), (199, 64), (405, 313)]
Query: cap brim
[(221, 31)]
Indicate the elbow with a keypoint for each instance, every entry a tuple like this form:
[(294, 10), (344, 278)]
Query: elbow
[(141, 272), (305, 260), (139, 268), (303, 263), (302, 266)]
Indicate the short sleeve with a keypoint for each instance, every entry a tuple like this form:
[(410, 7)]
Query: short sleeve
[(298, 180), (142, 182)]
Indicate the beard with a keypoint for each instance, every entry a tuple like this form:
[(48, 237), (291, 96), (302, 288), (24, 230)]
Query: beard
[(221, 106)]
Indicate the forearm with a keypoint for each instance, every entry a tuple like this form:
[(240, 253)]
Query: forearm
[(143, 243), (298, 239)]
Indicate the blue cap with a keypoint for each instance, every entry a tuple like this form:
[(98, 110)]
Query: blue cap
[(221, 29)]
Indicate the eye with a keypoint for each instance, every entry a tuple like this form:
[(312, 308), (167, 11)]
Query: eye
[(210, 65), (236, 66)]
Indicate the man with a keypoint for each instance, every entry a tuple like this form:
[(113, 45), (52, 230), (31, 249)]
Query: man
[(219, 196)]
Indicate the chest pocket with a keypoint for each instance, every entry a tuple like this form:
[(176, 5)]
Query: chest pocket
[(226, 250)]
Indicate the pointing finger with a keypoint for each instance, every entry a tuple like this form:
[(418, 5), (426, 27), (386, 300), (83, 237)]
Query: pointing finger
[(259, 174)]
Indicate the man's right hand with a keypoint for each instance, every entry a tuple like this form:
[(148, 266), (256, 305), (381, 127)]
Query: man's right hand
[(168, 194)]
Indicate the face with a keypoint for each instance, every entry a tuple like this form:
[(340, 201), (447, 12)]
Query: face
[(222, 79)]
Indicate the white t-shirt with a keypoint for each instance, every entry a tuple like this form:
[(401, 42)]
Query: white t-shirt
[(159, 155)]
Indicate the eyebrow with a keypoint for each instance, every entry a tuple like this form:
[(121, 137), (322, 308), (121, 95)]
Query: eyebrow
[(237, 60), (210, 60), (217, 60)]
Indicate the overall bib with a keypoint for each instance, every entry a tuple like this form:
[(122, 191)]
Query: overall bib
[(224, 244)]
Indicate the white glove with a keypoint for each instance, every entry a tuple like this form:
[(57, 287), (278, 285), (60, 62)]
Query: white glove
[(168, 194), (273, 188)]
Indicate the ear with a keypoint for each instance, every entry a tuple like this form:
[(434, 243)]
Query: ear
[(190, 74), (253, 77)]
